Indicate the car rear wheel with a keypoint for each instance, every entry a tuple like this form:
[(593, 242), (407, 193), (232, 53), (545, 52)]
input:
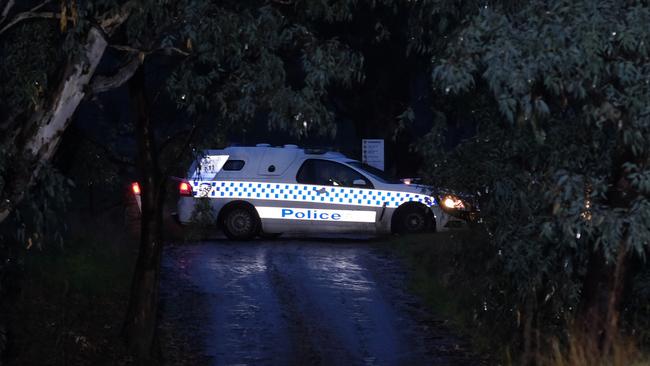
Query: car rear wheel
[(240, 223), (413, 220)]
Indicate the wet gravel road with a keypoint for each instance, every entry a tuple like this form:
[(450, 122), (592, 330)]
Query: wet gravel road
[(301, 302)]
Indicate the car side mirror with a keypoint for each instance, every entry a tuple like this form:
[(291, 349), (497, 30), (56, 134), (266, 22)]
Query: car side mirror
[(359, 182)]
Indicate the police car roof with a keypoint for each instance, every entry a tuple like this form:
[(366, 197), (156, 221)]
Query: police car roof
[(286, 151)]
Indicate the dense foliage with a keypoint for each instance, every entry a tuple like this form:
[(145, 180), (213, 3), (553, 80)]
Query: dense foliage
[(559, 91), (259, 60)]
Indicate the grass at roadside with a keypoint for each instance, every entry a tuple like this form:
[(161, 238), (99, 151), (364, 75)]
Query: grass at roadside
[(67, 302), (70, 299), (436, 261), (452, 273)]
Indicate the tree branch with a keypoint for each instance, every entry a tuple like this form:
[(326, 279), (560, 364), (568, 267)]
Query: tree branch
[(167, 50), (29, 15), (170, 50), (6, 10), (101, 83), (109, 23), (37, 7), (32, 13)]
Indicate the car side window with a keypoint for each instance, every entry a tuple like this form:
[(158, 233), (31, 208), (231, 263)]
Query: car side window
[(329, 173), (234, 165)]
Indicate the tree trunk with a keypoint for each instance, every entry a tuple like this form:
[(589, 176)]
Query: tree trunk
[(528, 328), (38, 142), (601, 299), (593, 297), (616, 286), (140, 324)]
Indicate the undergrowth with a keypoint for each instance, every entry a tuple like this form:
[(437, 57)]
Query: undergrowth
[(455, 274), (69, 299)]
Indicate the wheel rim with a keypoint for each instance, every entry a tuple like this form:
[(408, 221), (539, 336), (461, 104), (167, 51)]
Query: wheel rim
[(240, 222), (414, 222)]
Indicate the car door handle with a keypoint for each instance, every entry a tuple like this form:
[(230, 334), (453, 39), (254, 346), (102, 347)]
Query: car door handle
[(322, 190)]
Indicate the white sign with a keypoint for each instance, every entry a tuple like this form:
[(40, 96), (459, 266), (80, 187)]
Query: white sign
[(292, 213), (373, 152)]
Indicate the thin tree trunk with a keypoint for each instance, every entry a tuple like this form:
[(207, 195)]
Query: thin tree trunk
[(602, 291), (616, 286), (529, 313), (37, 140), (592, 299), (140, 323)]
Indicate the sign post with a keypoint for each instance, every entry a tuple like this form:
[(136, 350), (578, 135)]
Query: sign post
[(373, 152)]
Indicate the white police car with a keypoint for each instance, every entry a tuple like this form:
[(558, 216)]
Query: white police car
[(273, 190)]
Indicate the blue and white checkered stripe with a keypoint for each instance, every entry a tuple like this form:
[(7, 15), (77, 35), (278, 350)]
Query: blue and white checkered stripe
[(306, 193)]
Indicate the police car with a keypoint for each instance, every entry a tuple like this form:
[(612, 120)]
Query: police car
[(272, 190)]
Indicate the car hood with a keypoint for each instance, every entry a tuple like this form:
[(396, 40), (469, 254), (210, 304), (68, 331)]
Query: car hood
[(410, 188)]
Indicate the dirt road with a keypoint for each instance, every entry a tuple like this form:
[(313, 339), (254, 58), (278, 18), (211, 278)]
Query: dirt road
[(302, 302)]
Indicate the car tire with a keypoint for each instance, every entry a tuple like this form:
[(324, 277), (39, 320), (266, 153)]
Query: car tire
[(413, 220), (240, 223)]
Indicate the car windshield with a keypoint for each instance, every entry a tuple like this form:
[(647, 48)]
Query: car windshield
[(378, 174)]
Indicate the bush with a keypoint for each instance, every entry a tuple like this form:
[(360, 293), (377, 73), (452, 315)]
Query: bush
[(461, 275)]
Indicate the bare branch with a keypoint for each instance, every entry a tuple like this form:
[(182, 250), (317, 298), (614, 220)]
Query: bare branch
[(22, 16), (166, 50), (37, 7), (129, 49), (170, 50), (102, 83), (6, 10), (29, 15), (107, 22)]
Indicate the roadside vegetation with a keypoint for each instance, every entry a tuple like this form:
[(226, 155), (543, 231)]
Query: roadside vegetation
[(63, 303), (65, 300), (460, 275), (559, 161)]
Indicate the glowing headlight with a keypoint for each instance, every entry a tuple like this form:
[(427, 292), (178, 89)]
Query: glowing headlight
[(453, 202)]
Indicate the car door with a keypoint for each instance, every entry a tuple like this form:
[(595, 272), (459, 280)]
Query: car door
[(334, 198)]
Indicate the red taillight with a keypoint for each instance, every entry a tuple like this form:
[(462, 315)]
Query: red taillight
[(135, 187), (184, 189)]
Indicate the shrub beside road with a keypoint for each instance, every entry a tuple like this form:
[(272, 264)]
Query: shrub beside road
[(460, 276)]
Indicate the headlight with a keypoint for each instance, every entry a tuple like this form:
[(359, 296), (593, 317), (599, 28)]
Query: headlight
[(452, 202)]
